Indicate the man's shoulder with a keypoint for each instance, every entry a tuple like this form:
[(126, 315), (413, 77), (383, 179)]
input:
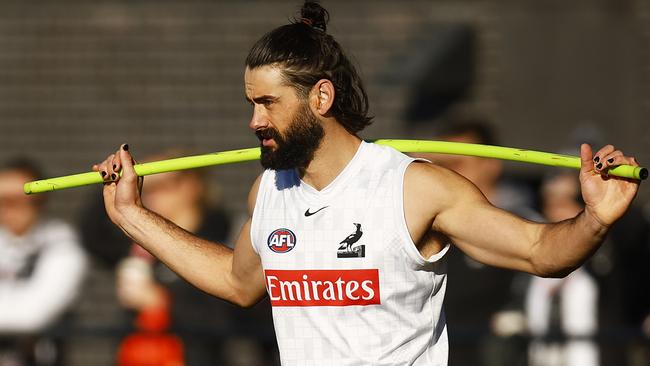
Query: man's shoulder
[(383, 156), (428, 172), (433, 184)]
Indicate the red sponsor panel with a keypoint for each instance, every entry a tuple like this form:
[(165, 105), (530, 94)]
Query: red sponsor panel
[(323, 287)]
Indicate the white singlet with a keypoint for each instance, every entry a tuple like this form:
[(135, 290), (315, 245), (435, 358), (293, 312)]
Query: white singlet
[(346, 282)]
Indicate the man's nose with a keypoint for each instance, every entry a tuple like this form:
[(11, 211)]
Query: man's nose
[(259, 119)]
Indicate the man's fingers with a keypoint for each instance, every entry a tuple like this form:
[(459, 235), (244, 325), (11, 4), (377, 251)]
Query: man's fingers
[(104, 168), (117, 163), (108, 191), (110, 168), (586, 162), (621, 160), (611, 160), (127, 162), (602, 153), (609, 157), (111, 175)]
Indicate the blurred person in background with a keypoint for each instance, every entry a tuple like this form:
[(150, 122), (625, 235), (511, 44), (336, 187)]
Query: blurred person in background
[(620, 268), (41, 268), (562, 314), (641, 350), (494, 331), (208, 327)]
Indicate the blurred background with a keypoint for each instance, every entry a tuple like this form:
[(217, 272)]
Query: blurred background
[(79, 78)]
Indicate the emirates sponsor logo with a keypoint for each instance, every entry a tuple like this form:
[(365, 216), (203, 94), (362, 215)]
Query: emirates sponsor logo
[(323, 287)]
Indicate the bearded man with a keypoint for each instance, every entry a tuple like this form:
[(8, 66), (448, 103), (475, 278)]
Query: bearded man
[(380, 302)]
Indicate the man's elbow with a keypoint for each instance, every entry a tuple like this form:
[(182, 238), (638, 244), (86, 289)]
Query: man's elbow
[(547, 265), (240, 295), (248, 304), (552, 270), (245, 301)]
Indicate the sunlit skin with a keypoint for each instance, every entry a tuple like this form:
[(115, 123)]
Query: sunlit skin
[(274, 105), (272, 102), (440, 206)]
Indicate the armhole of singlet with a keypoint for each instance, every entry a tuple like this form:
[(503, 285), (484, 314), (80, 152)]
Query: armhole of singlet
[(411, 248), (261, 190)]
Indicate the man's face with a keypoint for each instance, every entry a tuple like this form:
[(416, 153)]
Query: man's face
[(288, 130)]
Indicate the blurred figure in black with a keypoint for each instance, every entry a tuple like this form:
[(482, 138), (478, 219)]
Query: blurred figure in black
[(41, 268), (621, 267), (484, 305), (562, 313), (212, 330), (621, 270)]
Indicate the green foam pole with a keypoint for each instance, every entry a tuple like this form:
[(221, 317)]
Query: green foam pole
[(155, 167), (507, 153), (237, 156)]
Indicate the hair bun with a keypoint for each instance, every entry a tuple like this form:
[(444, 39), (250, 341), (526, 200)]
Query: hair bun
[(314, 15)]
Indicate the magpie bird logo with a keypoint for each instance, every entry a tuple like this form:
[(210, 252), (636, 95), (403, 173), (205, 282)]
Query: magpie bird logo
[(347, 248)]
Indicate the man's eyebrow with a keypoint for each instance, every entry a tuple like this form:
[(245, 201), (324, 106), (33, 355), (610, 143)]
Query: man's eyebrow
[(262, 99)]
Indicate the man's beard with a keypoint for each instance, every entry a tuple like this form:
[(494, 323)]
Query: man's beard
[(296, 147)]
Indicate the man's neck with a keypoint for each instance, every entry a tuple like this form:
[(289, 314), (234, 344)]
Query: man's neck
[(336, 150)]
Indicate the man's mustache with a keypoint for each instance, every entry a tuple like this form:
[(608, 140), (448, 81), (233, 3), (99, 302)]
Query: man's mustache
[(268, 133)]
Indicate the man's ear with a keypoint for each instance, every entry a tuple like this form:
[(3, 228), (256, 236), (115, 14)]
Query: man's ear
[(322, 96)]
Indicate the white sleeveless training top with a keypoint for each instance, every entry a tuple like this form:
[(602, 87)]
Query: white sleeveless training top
[(346, 282)]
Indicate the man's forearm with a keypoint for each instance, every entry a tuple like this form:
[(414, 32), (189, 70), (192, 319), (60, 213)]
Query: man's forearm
[(205, 264), (564, 246)]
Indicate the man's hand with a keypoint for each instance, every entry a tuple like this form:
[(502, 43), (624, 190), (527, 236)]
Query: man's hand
[(121, 194), (606, 197)]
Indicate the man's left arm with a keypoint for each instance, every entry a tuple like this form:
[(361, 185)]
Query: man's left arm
[(495, 237)]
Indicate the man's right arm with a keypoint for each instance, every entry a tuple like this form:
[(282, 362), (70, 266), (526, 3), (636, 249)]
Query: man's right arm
[(233, 275)]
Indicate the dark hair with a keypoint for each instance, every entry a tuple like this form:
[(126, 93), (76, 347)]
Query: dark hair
[(480, 129), (306, 54), (25, 165)]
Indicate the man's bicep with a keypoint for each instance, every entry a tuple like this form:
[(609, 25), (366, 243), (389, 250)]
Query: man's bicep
[(247, 267), (486, 233), (246, 263)]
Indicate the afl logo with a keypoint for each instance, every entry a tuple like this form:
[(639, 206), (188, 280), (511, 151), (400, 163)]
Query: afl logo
[(281, 240)]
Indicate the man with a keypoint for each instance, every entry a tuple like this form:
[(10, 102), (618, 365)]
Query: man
[(569, 306), (384, 305), (41, 269)]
